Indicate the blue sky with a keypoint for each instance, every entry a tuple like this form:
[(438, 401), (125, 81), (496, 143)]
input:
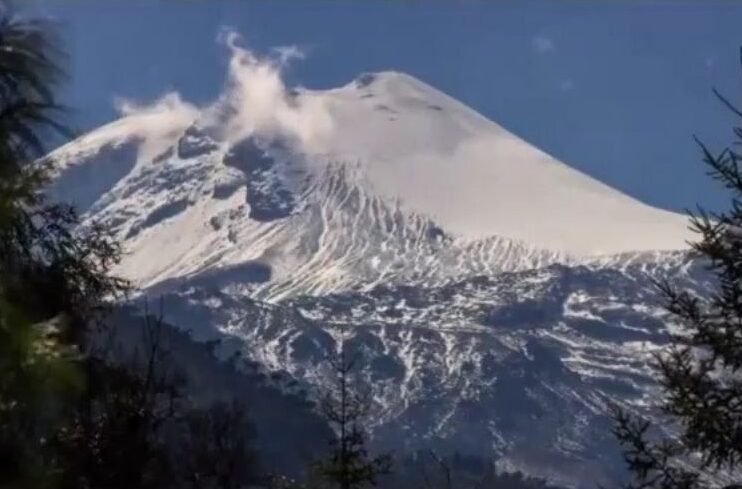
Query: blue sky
[(614, 89)]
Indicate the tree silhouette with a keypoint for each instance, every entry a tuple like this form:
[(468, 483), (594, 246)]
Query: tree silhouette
[(349, 464), (52, 281), (700, 372)]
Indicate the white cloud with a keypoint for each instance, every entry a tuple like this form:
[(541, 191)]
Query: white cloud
[(289, 53), (258, 101), (542, 44), (169, 111), (168, 103), (255, 101), (159, 123)]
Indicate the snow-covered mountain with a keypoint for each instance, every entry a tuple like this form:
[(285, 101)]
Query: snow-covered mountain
[(501, 300)]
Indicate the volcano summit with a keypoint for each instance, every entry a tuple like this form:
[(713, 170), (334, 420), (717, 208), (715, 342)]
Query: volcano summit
[(501, 301)]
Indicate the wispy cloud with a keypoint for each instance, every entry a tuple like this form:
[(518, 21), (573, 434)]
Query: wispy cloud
[(288, 53), (255, 101), (542, 44), (260, 103)]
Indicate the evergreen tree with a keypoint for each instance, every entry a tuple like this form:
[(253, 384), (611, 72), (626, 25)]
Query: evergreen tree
[(215, 451), (349, 464), (701, 371), (52, 281), (71, 415), (116, 438)]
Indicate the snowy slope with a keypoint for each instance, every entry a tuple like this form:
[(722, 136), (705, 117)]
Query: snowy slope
[(384, 178), (500, 300), (519, 367), (475, 179)]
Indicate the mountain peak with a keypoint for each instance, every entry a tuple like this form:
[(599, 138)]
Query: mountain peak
[(385, 77), (370, 181)]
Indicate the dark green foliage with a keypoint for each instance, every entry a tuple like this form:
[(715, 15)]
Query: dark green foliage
[(116, 436), (284, 429), (37, 378), (700, 371), (213, 452), (72, 414), (426, 469), (46, 268), (52, 281), (653, 463), (136, 427), (30, 71)]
